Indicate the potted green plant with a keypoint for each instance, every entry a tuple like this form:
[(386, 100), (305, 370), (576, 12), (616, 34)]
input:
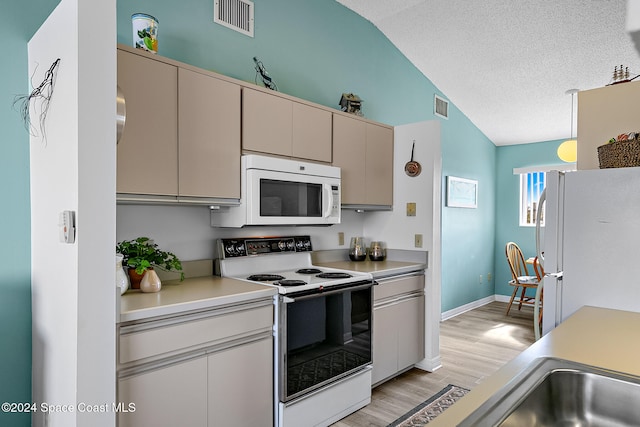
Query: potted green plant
[(142, 254)]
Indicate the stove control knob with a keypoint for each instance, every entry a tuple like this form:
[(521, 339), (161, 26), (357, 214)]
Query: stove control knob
[(235, 249), (282, 245), (291, 246), (303, 245), (230, 249)]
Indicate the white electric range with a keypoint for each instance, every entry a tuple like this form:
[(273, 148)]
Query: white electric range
[(322, 327)]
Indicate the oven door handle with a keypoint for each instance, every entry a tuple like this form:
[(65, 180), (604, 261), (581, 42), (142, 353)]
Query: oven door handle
[(289, 300)]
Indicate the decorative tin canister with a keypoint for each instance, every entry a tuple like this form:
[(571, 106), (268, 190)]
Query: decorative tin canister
[(145, 32)]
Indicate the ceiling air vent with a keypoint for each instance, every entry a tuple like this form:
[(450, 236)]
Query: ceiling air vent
[(234, 14), (441, 107)]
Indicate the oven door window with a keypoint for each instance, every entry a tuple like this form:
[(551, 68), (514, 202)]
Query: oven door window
[(327, 337), (290, 199)]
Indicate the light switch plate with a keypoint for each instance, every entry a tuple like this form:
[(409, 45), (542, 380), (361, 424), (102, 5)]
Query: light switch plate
[(418, 240), (340, 238), (411, 209)]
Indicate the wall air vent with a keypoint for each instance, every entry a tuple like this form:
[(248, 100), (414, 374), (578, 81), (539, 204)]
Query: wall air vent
[(440, 107), (234, 14)]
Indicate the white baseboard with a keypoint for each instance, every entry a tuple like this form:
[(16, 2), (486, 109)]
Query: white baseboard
[(474, 304), (430, 365), (502, 298)]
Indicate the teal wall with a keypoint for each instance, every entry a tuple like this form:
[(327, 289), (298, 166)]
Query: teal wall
[(468, 234), (317, 51), (313, 50), (18, 22), (508, 190)]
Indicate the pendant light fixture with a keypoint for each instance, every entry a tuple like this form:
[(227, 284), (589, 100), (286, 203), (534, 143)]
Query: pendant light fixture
[(568, 150)]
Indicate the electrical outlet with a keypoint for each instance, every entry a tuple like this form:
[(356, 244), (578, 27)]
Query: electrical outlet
[(411, 209), (480, 279), (418, 240), (340, 238), (488, 277)]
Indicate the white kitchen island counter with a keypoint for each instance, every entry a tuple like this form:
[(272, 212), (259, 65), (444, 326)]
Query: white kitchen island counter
[(195, 293), (605, 338)]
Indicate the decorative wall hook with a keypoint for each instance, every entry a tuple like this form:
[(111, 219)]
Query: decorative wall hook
[(40, 95)]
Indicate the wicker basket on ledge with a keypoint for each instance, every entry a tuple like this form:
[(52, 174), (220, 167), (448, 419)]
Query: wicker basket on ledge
[(619, 154)]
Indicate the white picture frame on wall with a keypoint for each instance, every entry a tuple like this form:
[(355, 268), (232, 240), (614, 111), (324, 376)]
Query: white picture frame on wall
[(462, 192)]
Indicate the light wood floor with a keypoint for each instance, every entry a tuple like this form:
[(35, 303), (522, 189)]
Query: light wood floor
[(473, 345)]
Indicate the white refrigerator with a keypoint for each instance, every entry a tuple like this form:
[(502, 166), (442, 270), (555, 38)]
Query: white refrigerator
[(590, 242)]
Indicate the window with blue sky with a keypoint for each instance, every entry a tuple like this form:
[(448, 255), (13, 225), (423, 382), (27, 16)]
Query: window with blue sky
[(531, 187)]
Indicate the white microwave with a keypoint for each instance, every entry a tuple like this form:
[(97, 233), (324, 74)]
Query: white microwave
[(276, 191)]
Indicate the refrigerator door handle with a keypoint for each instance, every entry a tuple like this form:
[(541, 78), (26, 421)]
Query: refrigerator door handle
[(536, 311), (557, 275), (541, 201), (537, 301)]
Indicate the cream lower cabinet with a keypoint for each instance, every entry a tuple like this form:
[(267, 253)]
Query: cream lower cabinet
[(275, 125), (241, 385), (398, 326), (175, 395), (212, 368), (364, 152)]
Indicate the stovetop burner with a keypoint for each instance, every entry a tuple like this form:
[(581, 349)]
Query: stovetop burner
[(267, 262), (334, 275), (265, 277), (309, 271), (290, 282)]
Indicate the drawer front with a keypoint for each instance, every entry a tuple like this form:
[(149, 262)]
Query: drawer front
[(190, 335), (391, 287)]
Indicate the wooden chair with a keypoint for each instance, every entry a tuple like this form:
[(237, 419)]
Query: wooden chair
[(520, 278), (537, 268)]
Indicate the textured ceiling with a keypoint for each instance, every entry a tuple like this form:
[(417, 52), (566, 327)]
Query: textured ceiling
[(506, 64)]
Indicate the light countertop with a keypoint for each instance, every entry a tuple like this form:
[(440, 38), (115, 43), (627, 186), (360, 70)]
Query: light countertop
[(191, 294), (378, 269), (397, 262), (605, 338), (198, 293)]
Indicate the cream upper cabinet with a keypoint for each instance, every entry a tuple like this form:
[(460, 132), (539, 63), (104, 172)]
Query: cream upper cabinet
[(311, 133), (186, 129), (364, 152), (276, 125), (181, 139), (148, 148), (605, 113), (349, 148), (379, 165), (209, 136), (266, 123)]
